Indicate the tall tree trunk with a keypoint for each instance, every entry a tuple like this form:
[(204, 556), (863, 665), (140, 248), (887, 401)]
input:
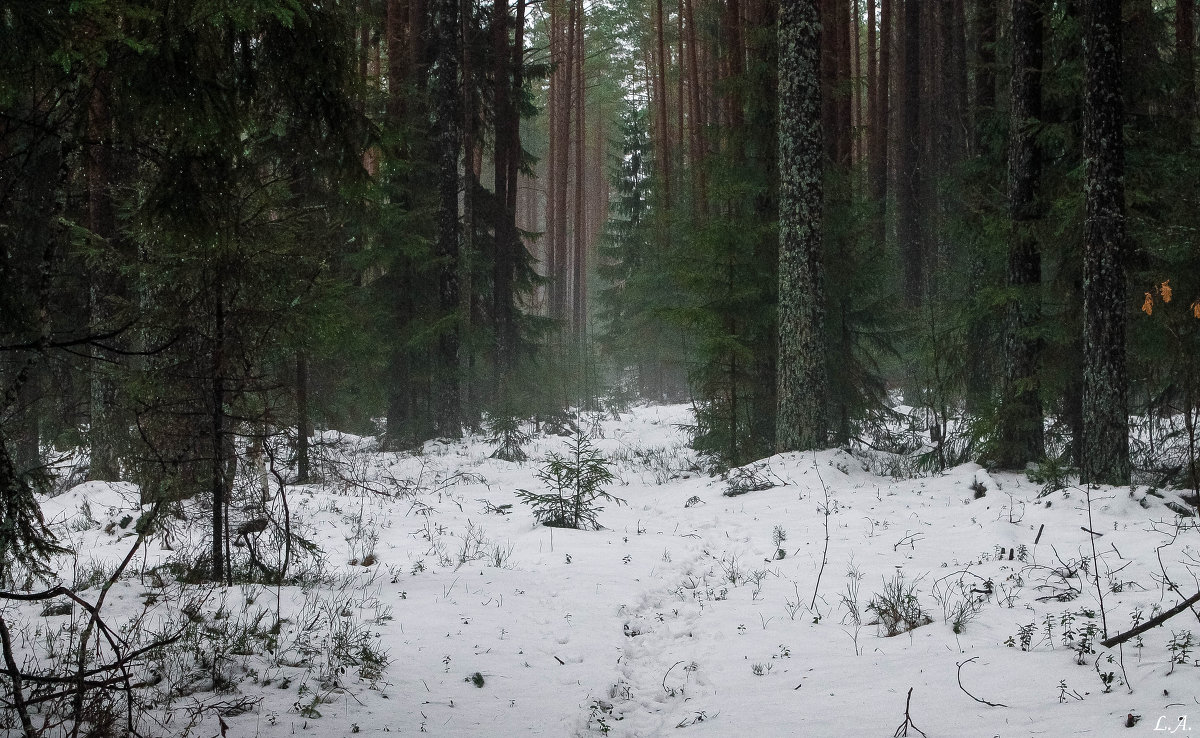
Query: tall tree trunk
[(560, 279), (516, 247), (504, 224), (364, 43), (1185, 61), (877, 164), (663, 145), (554, 112), (579, 262), (399, 57), (696, 113), (979, 327), (303, 422), (681, 78), (217, 429), (845, 82), (801, 421), (872, 87), (418, 37), (405, 64), (472, 160), (829, 58), (103, 430), (909, 167), (1105, 382), (448, 143), (1020, 432), (985, 72), (948, 140)]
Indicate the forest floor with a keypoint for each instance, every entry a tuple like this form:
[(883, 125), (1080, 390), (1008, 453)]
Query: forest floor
[(682, 616)]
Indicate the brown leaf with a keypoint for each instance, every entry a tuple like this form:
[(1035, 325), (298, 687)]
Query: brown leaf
[(1148, 305)]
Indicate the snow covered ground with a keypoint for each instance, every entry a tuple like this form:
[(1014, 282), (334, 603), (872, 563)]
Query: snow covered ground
[(683, 615)]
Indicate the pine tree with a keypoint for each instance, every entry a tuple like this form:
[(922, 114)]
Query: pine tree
[(802, 417), (1105, 447), (1020, 432), (909, 167), (448, 145)]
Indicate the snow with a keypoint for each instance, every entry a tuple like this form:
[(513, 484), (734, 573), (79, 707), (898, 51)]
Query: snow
[(678, 617)]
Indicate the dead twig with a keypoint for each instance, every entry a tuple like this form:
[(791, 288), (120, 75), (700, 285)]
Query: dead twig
[(908, 723), (667, 689), (824, 509), (961, 664)]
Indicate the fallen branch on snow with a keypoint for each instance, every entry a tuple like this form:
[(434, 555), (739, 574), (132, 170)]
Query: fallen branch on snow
[(1151, 623)]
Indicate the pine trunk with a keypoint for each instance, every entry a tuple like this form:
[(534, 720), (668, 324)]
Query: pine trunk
[(695, 113), (985, 72), (104, 430), (1020, 432), (1105, 457), (504, 222), (560, 279), (801, 421), (472, 155), (303, 424), (1185, 60), (877, 165), (983, 104), (662, 146), (217, 429), (448, 143), (909, 166), (579, 257)]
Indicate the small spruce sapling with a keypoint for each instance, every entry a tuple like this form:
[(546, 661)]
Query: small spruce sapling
[(778, 536), (507, 430), (575, 485)]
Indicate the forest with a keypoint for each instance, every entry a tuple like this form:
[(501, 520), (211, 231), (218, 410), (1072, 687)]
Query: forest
[(915, 237)]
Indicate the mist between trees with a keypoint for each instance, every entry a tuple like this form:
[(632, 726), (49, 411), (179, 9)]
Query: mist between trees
[(230, 224)]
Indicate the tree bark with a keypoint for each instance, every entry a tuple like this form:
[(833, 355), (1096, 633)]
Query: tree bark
[(504, 225), (217, 410), (303, 424), (1105, 382), (1021, 432), (979, 327), (909, 167), (560, 277), (1185, 60), (103, 430), (448, 143), (663, 146), (801, 422), (579, 260), (696, 113), (871, 118), (985, 72), (472, 157), (877, 164)]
